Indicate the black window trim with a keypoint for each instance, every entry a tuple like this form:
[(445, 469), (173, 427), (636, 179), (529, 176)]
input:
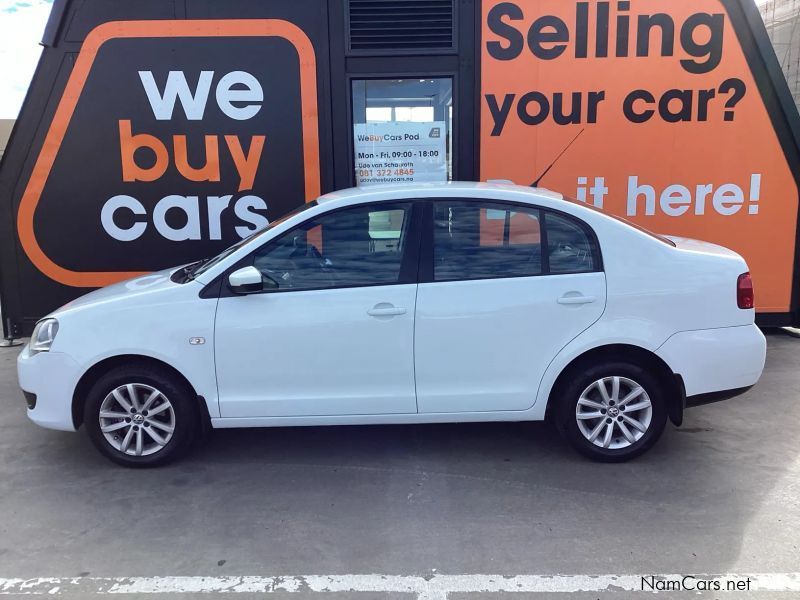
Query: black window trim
[(426, 274), (409, 265)]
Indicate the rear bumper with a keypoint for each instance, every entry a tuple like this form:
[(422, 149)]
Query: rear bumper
[(700, 399), (48, 380), (716, 361)]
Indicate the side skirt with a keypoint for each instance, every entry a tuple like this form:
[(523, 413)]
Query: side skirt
[(393, 419)]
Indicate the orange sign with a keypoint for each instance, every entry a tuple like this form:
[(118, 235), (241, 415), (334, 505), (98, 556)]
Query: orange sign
[(676, 135), (242, 166)]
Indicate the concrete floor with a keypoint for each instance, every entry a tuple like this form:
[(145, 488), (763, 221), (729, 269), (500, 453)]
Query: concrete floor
[(719, 495)]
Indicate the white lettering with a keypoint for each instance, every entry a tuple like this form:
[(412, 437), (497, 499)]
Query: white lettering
[(114, 204), (163, 105), (189, 206), (244, 210), (226, 95)]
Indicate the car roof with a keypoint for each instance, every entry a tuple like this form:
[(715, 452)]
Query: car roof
[(461, 190), (451, 189)]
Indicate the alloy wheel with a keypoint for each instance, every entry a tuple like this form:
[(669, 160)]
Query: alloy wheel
[(137, 419), (614, 412)]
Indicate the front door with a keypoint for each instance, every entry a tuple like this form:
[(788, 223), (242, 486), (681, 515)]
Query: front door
[(510, 286), (333, 331)]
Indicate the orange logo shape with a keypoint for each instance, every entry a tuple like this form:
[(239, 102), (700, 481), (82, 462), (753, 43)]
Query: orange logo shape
[(75, 85)]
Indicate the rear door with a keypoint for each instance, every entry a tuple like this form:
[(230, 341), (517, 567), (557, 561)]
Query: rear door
[(504, 287)]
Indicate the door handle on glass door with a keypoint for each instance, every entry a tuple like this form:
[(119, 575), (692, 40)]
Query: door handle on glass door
[(384, 309), (576, 299)]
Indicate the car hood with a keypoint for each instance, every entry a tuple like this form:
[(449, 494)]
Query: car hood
[(152, 283)]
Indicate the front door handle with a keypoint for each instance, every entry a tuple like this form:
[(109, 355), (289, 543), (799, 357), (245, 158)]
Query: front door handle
[(384, 309), (579, 299)]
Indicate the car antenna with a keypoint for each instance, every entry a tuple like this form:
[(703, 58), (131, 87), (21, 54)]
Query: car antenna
[(538, 179)]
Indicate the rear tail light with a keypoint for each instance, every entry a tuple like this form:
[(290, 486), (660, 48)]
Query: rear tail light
[(744, 291)]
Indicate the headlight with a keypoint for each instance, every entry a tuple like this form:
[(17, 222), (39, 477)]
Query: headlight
[(43, 335)]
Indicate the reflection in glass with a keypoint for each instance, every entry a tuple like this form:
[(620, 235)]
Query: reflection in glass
[(473, 241), (352, 247)]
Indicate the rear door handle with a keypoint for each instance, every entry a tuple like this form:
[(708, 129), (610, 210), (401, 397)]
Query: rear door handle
[(384, 309), (576, 299)]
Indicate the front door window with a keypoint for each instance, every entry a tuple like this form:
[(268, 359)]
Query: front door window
[(357, 246)]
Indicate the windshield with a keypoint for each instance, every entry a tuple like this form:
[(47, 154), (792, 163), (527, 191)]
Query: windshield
[(660, 238), (198, 268)]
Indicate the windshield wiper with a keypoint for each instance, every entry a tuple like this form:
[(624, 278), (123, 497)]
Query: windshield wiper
[(190, 270), (187, 273)]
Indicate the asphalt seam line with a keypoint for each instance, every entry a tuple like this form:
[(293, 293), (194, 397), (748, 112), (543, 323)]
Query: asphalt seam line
[(433, 587)]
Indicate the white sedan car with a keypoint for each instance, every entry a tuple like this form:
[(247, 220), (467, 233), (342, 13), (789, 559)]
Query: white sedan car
[(406, 304)]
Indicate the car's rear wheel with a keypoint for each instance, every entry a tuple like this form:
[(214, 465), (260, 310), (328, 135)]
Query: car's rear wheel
[(612, 412), (141, 416)]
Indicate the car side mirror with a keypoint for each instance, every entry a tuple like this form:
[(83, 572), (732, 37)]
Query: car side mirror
[(249, 280)]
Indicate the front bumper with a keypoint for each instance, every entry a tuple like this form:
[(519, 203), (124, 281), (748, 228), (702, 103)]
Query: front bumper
[(716, 361), (51, 377)]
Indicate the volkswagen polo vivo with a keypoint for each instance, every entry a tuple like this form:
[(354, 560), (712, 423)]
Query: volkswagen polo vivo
[(410, 304)]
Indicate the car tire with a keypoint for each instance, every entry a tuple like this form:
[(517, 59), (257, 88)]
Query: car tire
[(603, 426), (159, 427)]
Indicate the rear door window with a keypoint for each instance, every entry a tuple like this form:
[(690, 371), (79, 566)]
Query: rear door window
[(570, 247), (473, 240), (486, 240)]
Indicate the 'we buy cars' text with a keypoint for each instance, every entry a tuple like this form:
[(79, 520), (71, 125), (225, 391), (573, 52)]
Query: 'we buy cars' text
[(239, 96)]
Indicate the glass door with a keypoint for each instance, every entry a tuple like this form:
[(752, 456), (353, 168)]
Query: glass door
[(402, 130)]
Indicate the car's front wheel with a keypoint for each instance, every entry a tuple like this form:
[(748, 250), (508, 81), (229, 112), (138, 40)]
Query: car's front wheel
[(613, 411), (140, 416)]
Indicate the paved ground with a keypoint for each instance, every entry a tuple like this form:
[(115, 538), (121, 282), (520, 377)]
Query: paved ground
[(720, 495)]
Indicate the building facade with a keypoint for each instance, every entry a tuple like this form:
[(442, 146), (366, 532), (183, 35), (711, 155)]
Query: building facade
[(157, 133), (782, 19), (5, 132)]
